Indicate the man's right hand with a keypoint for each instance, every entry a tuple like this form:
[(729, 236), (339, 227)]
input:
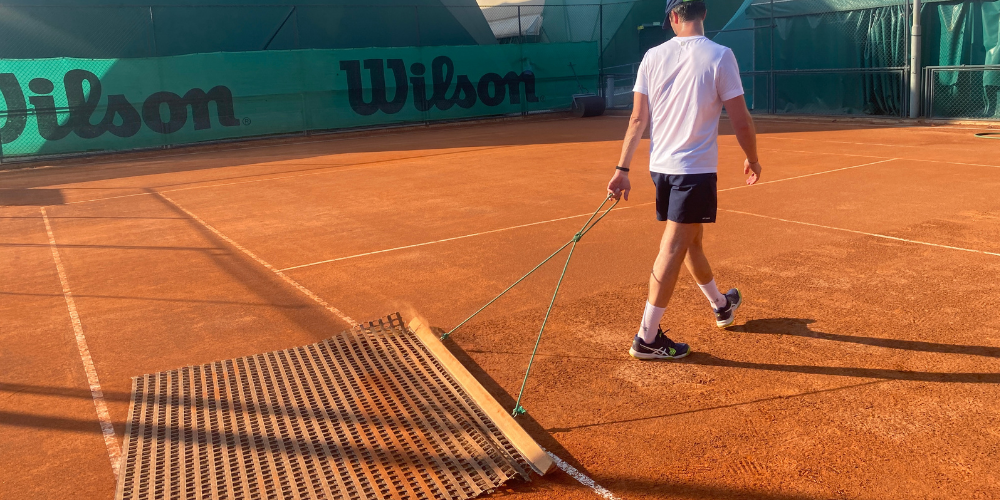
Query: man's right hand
[(619, 185), (751, 167)]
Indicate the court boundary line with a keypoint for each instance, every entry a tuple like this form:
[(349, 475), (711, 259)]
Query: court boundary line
[(807, 175), (864, 233), (946, 162), (453, 238), (308, 293), (318, 171), (581, 477), (520, 226), (569, 469), (96, 393)]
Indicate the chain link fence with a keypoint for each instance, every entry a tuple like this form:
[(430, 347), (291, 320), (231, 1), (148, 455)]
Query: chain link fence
[(967, 92)]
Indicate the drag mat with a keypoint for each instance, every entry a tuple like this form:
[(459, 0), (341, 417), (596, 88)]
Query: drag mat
[(369, 413)]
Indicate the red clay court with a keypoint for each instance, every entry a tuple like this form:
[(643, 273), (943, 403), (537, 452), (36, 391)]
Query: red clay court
[(864, 364)]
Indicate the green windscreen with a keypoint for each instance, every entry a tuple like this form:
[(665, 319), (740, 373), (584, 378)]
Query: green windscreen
[(63, 105)]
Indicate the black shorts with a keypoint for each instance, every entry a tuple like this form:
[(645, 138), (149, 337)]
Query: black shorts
[(687, 199)]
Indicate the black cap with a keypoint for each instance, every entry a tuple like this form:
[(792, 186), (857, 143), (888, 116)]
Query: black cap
[(671, 5)]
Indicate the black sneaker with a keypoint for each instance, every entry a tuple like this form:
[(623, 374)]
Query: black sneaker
[(725, 316), (661, 348)]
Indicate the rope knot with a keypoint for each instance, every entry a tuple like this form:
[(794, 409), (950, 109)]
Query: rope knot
[(577, 236)]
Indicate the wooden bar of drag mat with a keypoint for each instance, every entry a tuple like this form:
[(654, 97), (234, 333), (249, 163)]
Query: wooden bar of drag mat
[(534, 453)]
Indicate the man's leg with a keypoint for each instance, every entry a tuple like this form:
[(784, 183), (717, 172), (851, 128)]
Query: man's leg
[(697, 264), (723, 305), (674, 246)]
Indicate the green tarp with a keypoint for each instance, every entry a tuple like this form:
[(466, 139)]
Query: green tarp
[(67, 105), (841, 35), (963, 34), (139, 28)]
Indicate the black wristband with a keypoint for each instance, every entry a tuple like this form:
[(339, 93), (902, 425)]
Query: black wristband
[(623, 169)]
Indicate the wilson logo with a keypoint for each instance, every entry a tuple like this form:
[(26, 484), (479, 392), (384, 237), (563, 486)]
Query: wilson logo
[(120, 118), (491, 89)]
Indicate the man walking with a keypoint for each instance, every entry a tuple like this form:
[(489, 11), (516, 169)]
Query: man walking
[(680, 89)]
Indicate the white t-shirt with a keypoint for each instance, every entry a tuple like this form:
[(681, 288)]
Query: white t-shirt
[(686, 79)]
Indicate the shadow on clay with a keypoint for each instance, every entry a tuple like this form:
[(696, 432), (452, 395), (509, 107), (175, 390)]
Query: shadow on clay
[(800, 328), (710, 408), (705, 359)]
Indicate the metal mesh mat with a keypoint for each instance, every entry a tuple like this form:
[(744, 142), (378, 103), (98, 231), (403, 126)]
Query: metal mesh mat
[(369, 413)]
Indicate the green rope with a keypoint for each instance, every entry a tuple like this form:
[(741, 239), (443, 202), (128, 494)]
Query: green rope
[(988, 135), (574, 240), (518, 409), (445, 336), (587, 226)]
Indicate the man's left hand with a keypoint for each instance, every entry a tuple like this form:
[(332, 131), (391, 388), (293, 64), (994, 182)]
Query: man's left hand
[(619, 185), (751, 167)]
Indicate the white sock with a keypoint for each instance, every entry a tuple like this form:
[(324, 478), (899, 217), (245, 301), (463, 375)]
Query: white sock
[(650, 322), (714, 296)]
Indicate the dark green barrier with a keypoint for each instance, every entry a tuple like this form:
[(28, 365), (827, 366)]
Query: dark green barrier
[(57, 106)]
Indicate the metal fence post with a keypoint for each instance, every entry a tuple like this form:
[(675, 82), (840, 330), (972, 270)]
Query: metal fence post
[(520, 32), (772, 84), (600, 44), (152, 28), (915, 35)]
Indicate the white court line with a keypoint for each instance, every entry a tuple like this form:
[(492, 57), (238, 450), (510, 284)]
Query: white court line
[(946, 162), (347, 319), (847, 142), (809, 175), (581, 477), (320, 171), (453, 238), (874, 235), (103, 416), (953, 162)]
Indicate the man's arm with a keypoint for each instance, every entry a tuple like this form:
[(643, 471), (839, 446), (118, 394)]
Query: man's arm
[(746, 135), (637, 125)]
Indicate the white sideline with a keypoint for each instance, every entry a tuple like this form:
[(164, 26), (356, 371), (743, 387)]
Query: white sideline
[(581, 477), (337, 312), (874, 235), (103, 416)]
